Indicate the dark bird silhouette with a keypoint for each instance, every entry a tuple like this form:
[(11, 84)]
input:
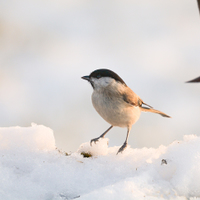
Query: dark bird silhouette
[(196, 80), (198, 2)]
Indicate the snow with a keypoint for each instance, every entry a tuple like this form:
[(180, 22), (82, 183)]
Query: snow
[(31, 167)]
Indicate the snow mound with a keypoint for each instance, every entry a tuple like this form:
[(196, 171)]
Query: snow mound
[(36, 137), (32, 168), (95, 149)]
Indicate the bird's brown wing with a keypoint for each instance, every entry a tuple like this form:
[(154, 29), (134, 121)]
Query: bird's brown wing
[(131, 98)]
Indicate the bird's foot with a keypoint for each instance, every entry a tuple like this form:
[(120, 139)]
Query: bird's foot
[(122, 148), (94, 140)]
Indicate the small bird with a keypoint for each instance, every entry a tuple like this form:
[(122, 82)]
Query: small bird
[(115, 102)]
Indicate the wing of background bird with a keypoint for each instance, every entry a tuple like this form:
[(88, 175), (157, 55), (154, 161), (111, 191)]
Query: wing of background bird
[(194, 80), (198, 2)]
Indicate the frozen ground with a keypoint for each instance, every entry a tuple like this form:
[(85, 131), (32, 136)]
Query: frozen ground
[(32, 168)]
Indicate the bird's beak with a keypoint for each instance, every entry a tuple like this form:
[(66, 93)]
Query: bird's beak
[(86, 78)]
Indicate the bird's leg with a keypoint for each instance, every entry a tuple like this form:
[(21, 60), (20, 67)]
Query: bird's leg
[(121, 149), (101, 136)]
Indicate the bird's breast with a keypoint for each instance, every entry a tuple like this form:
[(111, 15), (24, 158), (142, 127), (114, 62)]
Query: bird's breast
[(114, 109)]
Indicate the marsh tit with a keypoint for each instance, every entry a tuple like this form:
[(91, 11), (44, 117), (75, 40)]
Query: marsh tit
[(116, 102)]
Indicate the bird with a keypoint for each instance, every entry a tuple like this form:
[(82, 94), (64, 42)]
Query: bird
[(196, 80), (115, 102)]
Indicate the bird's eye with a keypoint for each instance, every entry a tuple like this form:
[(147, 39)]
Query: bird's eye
[(98, 76)]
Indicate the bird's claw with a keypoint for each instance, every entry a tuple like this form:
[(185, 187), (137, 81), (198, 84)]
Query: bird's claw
[(122, 148), (94, 140)]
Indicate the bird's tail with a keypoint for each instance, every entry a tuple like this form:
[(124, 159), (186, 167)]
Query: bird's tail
[(144, 109)]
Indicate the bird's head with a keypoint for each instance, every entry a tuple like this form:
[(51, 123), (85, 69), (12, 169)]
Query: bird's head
[(101, 78)]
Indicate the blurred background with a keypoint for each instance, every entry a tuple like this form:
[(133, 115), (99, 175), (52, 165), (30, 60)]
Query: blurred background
[(46, 46)]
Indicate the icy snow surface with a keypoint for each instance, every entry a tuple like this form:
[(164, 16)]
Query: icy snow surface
[(32, 168)]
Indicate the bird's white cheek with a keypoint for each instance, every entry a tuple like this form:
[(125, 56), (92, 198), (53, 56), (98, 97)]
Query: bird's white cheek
[(101, 82)]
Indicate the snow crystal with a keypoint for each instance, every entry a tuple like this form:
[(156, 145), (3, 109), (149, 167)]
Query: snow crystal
[(32, 168)]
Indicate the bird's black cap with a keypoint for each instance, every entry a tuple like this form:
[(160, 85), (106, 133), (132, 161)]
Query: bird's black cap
[(106, 73)]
